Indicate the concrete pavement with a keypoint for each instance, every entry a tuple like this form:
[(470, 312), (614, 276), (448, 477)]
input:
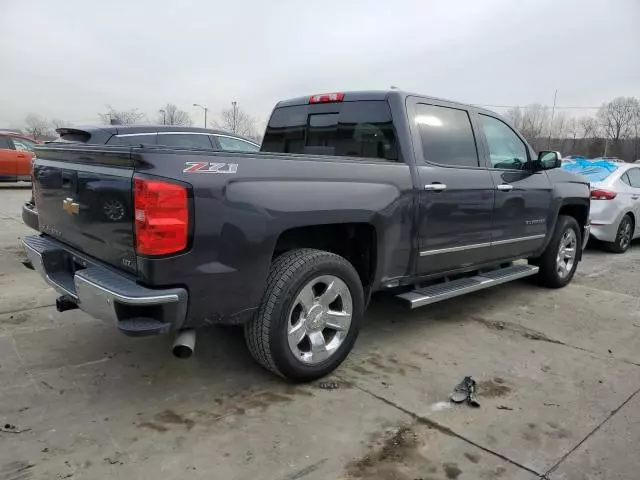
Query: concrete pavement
[(558, 372)]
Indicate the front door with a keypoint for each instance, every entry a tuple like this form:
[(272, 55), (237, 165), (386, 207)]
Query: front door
[(456, 192), (523, 198)]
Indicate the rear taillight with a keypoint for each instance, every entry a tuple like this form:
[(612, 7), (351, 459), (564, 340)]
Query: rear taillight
[(327, 98), (599, 194), (161, 217)]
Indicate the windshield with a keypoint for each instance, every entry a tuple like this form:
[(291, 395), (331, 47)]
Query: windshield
[(355, 129)]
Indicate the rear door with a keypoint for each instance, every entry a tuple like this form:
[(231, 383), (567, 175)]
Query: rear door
[(633, 175), (84, 198), (456, 200), (8, 157), (523, 198)]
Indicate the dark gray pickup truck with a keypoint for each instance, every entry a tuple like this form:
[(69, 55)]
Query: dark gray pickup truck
[(351, 194)]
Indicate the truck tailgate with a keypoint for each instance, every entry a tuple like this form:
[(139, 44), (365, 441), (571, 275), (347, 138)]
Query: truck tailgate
[(84, 198)]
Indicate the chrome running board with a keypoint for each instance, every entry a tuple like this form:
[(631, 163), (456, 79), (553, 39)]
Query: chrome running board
[(443, 291)]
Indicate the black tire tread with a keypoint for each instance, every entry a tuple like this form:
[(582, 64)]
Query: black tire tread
[(258, 331), (547, 276), (614, 247)]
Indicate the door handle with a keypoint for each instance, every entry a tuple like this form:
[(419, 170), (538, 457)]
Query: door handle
[(435, 187), (635, 198), (505, 187), (22, 155)]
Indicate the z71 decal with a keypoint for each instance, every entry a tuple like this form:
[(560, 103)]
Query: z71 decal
[(209, 167)]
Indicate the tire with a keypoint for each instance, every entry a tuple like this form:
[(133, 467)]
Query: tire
[(623, 236), (282, 311), (551, 274)]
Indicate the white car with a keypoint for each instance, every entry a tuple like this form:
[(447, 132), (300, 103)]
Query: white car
[(615, 207)]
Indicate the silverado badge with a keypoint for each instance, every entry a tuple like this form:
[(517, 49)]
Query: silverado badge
[(69, 206)]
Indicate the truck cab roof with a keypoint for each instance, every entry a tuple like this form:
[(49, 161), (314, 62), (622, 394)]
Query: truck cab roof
[(354, 96)]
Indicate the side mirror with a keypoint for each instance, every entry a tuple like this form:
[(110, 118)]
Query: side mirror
[(548, 160)]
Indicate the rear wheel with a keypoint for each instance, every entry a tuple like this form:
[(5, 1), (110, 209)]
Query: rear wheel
[(559, 261), (623, 236), (309, 317)]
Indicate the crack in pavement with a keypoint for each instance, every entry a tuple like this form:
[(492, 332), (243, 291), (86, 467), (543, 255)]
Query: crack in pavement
[(613, 412), (19, 310), (536, 335), (441, 428)]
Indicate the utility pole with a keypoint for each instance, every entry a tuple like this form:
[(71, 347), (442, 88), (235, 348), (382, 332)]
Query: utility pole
[(553, 111), (235, 116)]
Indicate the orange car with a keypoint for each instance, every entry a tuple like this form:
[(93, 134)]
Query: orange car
[(16, 152)]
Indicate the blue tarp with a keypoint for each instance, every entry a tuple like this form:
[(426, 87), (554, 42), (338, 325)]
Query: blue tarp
[(594, 171)]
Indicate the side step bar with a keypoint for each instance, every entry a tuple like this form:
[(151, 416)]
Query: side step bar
[(442, 291)]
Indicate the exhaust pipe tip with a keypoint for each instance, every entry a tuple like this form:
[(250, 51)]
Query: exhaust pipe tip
[(64, 303), (184, 344)]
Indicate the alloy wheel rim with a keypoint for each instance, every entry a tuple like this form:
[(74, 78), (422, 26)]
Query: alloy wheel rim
[(566, 253), (319, 319), (625, 234)]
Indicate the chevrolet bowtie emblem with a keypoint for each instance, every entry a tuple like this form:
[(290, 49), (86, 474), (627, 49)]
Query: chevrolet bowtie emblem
[(69, 206)]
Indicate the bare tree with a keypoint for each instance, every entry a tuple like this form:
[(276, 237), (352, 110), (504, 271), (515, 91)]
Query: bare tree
[(617, 117), (36, 126), (572, 131), (535, 122), (589, 127), (558, 131), (121, 117), (514, 115), (172, 115), (57, 123), (237, 121)]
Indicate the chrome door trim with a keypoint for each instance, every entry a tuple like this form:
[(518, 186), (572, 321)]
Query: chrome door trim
[(519, 239), (439, 251)]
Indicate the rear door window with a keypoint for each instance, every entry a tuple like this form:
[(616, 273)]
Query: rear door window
[(235, 144), (634, 177), (185, 140), (446, 136), (133, 139), (355, 129)]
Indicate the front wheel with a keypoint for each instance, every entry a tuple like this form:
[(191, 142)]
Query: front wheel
[(559, 261), (310, 315)]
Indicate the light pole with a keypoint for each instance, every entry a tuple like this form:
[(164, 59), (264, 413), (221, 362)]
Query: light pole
[(235, 116), (164, 117), (203, 107), (553, 111)]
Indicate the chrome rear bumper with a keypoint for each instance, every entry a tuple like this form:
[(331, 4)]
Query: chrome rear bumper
[(104, 293)]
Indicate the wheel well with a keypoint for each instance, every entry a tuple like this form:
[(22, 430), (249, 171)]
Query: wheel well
[(633, 218), (579, 212), (354, 241)]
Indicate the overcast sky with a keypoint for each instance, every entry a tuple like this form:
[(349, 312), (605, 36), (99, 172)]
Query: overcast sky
[(68, 59)]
